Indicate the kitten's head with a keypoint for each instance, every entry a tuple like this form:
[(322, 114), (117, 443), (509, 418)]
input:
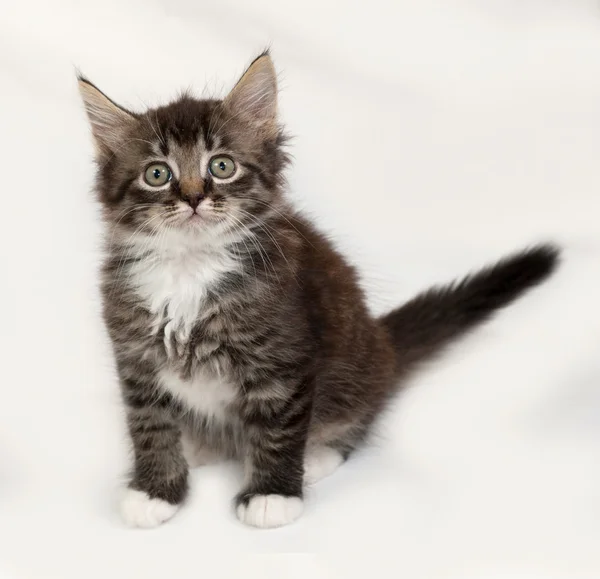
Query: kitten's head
[(197, 167)]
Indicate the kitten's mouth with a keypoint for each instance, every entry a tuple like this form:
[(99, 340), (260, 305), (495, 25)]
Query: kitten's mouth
[(194, 220)]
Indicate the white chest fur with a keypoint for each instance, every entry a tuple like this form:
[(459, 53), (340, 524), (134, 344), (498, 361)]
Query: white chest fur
[(205, 394), (174, 278)]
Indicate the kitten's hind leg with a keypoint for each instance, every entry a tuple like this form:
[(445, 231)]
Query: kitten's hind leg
[(329, 446), (320, 462)]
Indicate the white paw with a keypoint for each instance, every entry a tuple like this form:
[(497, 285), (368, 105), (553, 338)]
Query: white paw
[(320, 462), (139, 510), (267, 511)]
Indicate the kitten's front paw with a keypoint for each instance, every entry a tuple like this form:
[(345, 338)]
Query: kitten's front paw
[(139, 510), (267, 511)]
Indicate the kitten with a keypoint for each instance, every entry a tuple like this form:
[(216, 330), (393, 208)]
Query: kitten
[(238, 330)]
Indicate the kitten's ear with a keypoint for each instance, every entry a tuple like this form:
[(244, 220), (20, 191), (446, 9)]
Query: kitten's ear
[(254, 98), (110, 122)]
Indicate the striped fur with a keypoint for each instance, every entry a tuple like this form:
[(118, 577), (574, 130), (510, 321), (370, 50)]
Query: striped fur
[(240, 330)]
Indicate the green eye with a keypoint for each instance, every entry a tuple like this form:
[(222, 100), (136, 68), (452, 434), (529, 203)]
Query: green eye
[(221, 167), (157, 175)]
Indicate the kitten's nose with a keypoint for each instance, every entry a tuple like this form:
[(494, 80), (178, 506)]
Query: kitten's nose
[(194, 199)]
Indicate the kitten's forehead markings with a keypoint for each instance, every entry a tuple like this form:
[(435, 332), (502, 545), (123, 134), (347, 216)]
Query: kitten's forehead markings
[(191, 159), (207, 154), (216, 143), (156, 150)]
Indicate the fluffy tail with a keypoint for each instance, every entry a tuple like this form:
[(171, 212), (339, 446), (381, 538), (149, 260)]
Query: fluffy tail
[(428, 322)]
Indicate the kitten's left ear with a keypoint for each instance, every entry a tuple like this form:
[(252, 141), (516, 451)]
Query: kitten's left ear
[(254, 98), (110, 122)]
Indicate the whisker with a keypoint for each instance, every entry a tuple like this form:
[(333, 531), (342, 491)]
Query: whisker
[(156, 230), (267, 230), (261, 250), (129, 248), (280, 213)]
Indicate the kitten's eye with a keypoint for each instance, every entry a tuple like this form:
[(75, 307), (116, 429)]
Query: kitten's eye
[(221, 167), (157, 175)]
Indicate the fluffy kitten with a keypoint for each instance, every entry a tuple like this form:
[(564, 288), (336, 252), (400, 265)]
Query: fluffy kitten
[(238, 330)]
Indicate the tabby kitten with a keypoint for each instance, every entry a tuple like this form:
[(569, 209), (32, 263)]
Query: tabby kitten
[(238, 330)]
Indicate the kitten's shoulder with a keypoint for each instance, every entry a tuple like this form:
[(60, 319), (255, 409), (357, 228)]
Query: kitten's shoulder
[(320, 253)]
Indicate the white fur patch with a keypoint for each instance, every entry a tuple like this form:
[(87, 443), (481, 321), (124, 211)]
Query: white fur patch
[(139, 510), (266, 511), (207, 395), (173, 281), (320, 462)]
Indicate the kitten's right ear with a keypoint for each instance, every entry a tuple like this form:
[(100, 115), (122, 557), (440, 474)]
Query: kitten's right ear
[(110, 122)]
